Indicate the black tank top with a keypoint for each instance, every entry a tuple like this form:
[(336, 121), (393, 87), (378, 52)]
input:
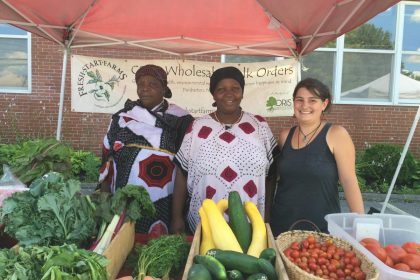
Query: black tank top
[(308, 186)]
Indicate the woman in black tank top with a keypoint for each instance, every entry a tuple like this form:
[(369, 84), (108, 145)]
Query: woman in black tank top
[(315, 156)]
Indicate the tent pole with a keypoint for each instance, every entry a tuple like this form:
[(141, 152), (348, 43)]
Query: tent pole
[(404, 152), (63, 82)]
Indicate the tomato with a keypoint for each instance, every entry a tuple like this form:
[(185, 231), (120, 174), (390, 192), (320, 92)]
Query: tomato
[(412, 247), (349, 254), (332, 268), (389, 261), (340, 273), (379, 252), (355, 261), (360, 275), (402, 267), (311, 239), (295, 246), (368, 240), (313, 266), (294, 254), (395, 252), (305, 244), (412, 260)]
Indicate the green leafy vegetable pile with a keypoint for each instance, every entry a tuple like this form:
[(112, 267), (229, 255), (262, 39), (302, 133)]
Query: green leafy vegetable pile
[(135, 200), (65, 262), (52, 212), (32, 159)]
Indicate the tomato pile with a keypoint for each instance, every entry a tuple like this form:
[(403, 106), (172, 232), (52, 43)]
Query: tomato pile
[(404, 258), (325, 260)]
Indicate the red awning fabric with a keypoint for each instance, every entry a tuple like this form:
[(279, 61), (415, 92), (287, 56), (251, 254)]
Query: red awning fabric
[(185, 27)]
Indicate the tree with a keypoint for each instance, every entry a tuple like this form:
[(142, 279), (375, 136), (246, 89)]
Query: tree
[(368, 36)]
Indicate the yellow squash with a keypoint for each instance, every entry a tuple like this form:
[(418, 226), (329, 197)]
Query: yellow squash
[(222, 205), (206, 238), (259, 232), (222, 234)]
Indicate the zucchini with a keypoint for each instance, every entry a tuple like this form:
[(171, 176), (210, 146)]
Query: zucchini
[(216, 268), (234, 260), (198, 272), (269, 254), (235, 275), (238, 221), (257, 276), (267, 268)]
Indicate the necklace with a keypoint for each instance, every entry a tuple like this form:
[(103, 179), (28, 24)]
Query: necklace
[(313, 132), (305, 136), (228, 126)]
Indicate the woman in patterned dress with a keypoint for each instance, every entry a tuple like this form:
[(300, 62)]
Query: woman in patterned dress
[(227, 150), (140, 145)]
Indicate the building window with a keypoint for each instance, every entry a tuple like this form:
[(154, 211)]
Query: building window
[(368, 56), (319, 65), (409, 80), (377, 63), (15, 60)]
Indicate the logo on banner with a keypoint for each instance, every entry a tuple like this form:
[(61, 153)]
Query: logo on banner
[(100, 80), (273, 104)]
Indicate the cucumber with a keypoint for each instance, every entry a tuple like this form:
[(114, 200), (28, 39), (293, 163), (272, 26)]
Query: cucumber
[(238, 221), (234, 260), (257, 276), (269, 254), (235, 275), (198, 272), (267, 268), (216, 268)]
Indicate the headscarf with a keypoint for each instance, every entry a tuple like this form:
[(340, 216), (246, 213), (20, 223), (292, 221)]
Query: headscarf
[(226, 73), (156, 72)]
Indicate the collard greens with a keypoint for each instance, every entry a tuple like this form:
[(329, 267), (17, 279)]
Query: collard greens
[(52, 212)]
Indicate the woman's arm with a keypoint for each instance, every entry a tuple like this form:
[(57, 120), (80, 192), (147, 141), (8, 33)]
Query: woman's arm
[(178, 202), (343, 149)]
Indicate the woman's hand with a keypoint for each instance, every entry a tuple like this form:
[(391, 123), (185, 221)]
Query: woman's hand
[(178, 202)]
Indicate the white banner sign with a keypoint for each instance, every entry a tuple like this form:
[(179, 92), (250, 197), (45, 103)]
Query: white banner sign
[(102, 85)]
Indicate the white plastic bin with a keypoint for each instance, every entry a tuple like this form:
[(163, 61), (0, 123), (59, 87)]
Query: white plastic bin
[(395, 229)]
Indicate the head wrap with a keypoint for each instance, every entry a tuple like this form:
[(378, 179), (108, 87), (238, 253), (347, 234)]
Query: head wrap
[(156, 72), (226, 73)]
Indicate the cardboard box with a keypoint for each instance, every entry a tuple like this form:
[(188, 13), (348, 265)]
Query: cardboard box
[(195, 249), (119, 248)]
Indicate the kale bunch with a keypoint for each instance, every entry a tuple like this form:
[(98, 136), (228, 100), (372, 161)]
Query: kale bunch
[(52, 212)]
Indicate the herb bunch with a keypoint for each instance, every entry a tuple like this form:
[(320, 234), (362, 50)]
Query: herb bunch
[(163, 256)]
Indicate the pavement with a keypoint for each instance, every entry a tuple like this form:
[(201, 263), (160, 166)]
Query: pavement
[(397, 204)]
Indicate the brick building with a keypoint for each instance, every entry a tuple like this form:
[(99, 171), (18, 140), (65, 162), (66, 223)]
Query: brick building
[(35, 115)]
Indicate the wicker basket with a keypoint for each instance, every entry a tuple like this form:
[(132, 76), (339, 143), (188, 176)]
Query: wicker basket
[(285, 239)]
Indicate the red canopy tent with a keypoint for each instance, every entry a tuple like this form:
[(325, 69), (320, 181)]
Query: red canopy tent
[(185, 27)]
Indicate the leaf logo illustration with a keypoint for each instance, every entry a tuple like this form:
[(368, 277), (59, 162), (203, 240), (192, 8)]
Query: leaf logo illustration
[(102, 90), (271, 102)]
